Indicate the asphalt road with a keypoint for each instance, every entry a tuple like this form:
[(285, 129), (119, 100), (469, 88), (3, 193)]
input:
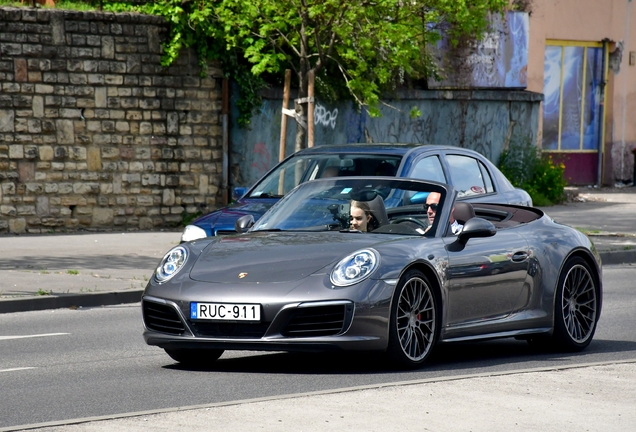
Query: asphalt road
[(66, 364)]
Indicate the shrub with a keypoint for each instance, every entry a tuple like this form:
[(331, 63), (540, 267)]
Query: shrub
[(526, 167)]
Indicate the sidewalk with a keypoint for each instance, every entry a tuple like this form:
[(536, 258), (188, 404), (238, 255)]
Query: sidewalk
[(81, 270), (606, 215), (592, 398), (78, 270)]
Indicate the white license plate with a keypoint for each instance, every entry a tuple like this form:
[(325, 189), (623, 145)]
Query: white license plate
[(225, 311)]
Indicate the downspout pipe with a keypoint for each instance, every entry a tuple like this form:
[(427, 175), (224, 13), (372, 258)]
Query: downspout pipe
[(225, 121), (601, 128)]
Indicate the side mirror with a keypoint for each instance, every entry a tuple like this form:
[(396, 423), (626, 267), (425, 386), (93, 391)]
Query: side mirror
[(476, 227), (244, 223), (238, 192)]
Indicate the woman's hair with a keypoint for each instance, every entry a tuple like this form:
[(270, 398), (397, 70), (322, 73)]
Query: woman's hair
[(364, 206)]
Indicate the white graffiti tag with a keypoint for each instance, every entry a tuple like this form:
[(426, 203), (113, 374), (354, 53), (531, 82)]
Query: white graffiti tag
[(324, 117)]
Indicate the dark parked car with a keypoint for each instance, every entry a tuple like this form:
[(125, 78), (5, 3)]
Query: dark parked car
[(471, 174), (301, 279)]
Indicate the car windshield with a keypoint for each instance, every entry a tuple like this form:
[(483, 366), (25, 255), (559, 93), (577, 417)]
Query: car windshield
[(375, 205), (300, 169)]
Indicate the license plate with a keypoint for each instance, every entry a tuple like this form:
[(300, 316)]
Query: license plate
[(225, 311)]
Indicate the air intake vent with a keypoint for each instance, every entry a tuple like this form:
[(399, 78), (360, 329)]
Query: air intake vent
[(162, 318), (316, 321), (229, 330)]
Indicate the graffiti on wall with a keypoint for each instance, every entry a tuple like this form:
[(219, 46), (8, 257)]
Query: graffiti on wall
[(324, 117), (500, 60), (262, 159), (483, 123)]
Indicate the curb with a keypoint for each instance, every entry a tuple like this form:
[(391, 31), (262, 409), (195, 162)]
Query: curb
[(71, 300), (618, 257)]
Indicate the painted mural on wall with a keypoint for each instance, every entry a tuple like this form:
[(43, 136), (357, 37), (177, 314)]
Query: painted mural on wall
[(479, 120), (572, 90), (500, 60)]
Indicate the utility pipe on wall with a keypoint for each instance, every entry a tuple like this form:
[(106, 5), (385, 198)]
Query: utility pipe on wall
[(225, 114), (601, 129)]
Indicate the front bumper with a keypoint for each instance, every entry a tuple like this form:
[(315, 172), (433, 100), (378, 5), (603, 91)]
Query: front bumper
[(301, 325)]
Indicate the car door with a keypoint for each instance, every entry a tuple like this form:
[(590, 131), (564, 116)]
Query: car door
[(487, 277)]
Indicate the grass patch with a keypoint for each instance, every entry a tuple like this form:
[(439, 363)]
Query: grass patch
[(72, 272), (42, 292), (587, 231)]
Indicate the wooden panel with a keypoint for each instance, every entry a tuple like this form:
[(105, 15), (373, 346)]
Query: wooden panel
[(580, 168)]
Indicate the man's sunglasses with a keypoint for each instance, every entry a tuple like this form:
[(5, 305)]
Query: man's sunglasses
[(432, 206)]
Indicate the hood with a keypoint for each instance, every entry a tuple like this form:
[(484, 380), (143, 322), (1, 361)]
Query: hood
[(224, 218), (274, 257)]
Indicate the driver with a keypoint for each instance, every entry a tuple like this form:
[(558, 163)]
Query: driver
[(432, 202)]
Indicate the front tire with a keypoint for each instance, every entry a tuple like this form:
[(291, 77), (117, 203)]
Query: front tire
[(414, 322), (576, 308), (194, 357)]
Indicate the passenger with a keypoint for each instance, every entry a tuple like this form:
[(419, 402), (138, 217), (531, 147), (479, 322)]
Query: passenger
[(385, 169), (330, 171), (360, 218), (432, 201)]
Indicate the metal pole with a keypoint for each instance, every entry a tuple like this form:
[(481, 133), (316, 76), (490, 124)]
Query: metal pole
[(601, 133), (310, 108), (225, 114)]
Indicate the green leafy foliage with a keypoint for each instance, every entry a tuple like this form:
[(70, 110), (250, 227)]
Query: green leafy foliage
[(526, 167), (356, 48)]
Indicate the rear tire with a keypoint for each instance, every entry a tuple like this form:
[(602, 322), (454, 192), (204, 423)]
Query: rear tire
[(576, 308), (414, 323), (194, 357)]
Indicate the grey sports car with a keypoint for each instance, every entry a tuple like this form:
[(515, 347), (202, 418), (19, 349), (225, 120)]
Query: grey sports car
[(305, 277)]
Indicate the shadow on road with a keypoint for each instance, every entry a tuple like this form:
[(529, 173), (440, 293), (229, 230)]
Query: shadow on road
[(464, 357)]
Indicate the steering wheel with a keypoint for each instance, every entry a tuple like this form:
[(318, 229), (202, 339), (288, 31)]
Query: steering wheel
[(409, 219)]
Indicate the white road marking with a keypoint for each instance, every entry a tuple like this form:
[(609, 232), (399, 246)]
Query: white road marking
[(16, 369), (32, 336)]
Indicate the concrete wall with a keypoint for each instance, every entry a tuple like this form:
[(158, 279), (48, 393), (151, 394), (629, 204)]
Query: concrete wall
[(94, 133), (479, 120)]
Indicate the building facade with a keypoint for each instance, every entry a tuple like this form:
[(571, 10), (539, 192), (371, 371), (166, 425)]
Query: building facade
[(582, 57)]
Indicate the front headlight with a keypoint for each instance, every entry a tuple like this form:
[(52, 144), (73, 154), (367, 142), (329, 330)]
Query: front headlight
[(355, 268), (193, 232), (171, 264)]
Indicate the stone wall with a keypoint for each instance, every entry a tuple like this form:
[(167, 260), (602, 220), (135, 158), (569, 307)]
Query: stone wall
[(94, 132)]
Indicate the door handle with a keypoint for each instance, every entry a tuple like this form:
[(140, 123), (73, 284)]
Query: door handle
[(520, 256)]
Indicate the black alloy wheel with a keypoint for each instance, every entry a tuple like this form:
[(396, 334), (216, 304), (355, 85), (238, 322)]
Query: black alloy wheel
[(414, 322), (576, 306)]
